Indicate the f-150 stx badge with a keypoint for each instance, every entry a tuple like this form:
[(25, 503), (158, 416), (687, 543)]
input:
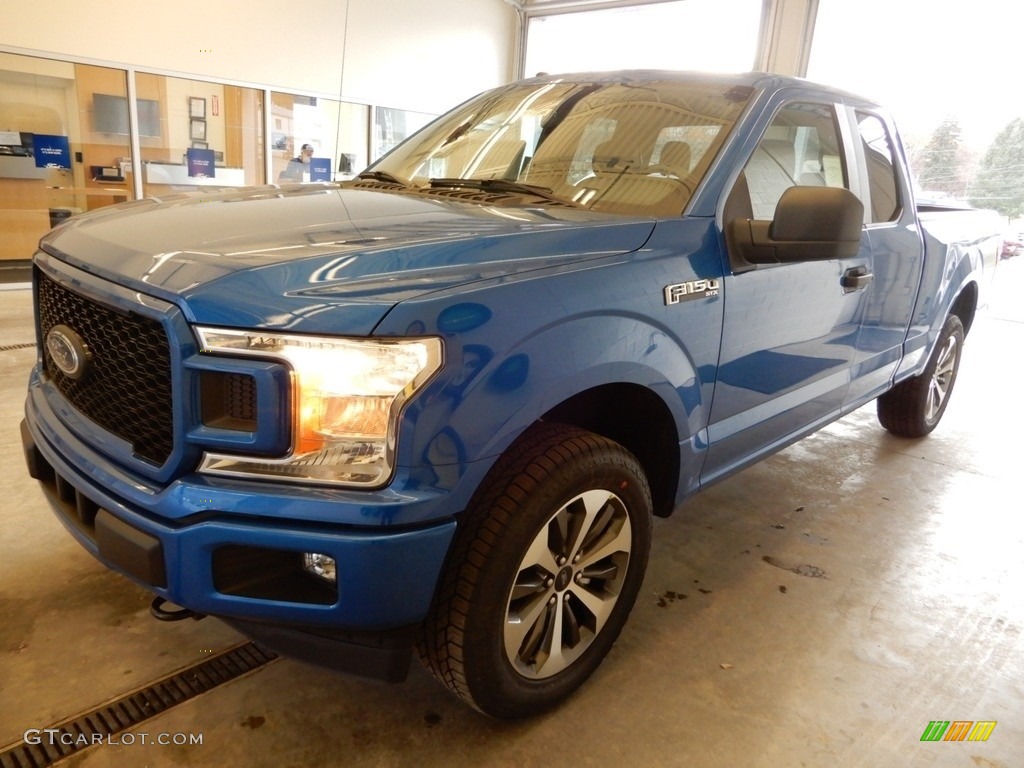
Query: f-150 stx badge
[(691, 289)]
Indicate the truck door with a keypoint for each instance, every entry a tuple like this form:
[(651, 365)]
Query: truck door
[(791, 320), (897, 257)]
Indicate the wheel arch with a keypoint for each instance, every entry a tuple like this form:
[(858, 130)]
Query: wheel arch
[(637, 419), (965, 305), (629, 380)]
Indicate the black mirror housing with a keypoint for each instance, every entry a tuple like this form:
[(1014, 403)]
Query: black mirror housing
[(810, 224), (831, 216)]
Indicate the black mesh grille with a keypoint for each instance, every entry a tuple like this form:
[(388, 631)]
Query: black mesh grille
[(126, 388), (229, 401), (240, 396)]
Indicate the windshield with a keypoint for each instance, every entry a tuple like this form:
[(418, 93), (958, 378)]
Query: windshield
[(636, 148)]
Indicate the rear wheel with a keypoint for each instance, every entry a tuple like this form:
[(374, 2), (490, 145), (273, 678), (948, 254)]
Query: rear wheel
[(914, 407), (544, 571)]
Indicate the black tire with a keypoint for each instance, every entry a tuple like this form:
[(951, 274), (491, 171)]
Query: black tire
[(914, 407), (506, 597)]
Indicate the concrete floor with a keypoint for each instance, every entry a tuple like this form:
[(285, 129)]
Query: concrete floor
[(908, 607)]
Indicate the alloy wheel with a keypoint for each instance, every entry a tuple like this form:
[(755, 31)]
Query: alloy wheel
[(567, 584), (942, 378)]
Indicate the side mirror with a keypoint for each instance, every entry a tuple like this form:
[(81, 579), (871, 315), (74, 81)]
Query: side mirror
[(810, 224)]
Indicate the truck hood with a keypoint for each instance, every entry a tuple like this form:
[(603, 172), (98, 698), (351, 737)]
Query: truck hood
[(325, 258)]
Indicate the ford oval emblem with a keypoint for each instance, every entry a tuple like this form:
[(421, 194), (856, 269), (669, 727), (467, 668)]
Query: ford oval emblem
[(68, 352)]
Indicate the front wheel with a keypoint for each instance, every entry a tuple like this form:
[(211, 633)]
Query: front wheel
[(545, 568), (914, 407)]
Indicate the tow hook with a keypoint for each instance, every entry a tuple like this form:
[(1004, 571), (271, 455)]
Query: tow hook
[(156, 608)]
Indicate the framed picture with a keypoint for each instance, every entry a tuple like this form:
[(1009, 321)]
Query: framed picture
[(198, 130), (197, 107), (200, 145)]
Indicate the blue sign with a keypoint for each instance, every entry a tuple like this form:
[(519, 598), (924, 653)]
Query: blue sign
[(319, 169), (51, 151), (200, 163)]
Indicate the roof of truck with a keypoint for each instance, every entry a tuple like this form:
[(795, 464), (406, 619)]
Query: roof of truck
[(759, 80)]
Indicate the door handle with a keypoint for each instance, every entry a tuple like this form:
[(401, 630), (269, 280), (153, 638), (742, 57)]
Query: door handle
[(856, 279)]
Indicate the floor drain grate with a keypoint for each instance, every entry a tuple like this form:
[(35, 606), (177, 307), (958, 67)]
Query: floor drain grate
[(8, 347), (65, 738)]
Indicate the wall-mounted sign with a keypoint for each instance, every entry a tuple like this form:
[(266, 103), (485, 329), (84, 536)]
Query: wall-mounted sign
[(200, 163), (320, 169), (51, 151)]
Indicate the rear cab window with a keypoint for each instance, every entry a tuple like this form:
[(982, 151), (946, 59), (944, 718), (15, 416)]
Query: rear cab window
[(882, 188)]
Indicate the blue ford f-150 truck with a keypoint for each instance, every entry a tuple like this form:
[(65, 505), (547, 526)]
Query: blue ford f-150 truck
[(435, 407)]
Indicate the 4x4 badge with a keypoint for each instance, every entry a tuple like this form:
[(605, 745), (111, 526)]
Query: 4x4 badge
[(68, 352)]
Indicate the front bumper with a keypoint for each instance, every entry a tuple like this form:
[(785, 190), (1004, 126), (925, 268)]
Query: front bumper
[(247, 568)]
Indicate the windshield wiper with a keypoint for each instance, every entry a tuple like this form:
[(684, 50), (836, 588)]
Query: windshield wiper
[(552, 121), (382, 176), (502, 185)]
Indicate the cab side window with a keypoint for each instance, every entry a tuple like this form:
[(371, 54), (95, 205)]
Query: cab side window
[(801, 147), (881, 166)]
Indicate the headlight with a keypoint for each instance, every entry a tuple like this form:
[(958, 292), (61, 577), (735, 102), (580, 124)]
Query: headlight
[(347, 395)]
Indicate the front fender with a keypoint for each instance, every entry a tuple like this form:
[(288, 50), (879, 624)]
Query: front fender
[(490, 396), (517, 347), (574, 356)]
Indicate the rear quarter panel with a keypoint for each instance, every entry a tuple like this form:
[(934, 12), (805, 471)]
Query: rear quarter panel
[(961, 252)]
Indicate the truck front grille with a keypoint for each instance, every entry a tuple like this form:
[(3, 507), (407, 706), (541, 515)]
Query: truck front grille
[(126, 388)]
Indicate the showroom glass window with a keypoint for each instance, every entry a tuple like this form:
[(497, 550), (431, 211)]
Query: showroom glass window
[(195, 134), (393, 126), (337, 131), (702, 35), (63, 146)]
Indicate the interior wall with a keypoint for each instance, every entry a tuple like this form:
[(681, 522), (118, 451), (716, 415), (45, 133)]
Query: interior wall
[(419, 50), (98, 148), (423, 55), (178, 124)]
